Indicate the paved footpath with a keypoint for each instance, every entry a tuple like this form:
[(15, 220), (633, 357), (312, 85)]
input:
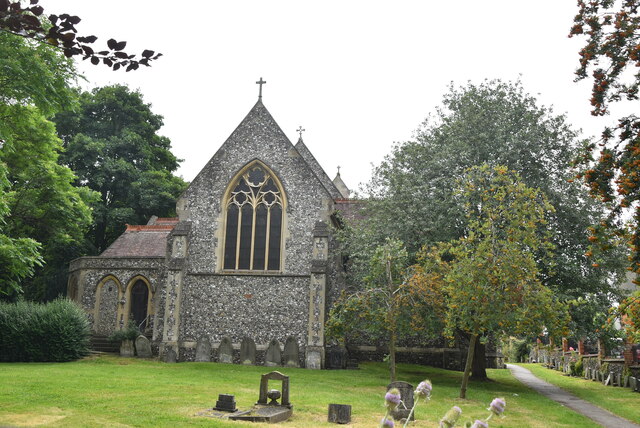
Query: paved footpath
[(599, 415)]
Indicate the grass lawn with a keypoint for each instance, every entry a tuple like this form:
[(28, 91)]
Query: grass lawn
[(620, 401), (121, 392)]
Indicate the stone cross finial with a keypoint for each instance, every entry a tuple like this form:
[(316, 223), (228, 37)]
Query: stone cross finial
[(338, 169), (260, 82), (300, 130)]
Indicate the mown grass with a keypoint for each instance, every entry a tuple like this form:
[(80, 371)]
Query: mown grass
[(121, 392), (620, 401)]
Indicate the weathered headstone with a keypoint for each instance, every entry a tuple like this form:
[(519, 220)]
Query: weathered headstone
[(247, 351), (314, 360), (406, 395), (143, 347), (337, 358), (127, 349), (203, 350), (274, 355), (291, 353), (226, 403), (632, 383), (618, 379), (264, 389), (225, 351), (339, 413), (170, 356)]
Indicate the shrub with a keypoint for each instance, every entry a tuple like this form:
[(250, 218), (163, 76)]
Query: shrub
[(130, 332), (54, 331), (578, 368)]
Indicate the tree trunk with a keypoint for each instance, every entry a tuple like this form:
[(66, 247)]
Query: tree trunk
[(479, 364), (467, 367), (391, 318), (392, 355)]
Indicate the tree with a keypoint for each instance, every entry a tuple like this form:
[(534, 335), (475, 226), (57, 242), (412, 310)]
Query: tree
[(611, 57), (113, 146), (412, 194), (493, 279), (377, 307), (494, 122), (43, 203), (43, 217), (60, 32)]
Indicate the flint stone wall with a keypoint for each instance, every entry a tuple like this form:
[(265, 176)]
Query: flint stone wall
[(88, 272), (260, 307)]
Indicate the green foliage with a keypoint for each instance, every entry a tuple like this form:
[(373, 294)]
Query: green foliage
[(34, 74), (516, 350), (412, 192), (113, 146), (491, 274), (130, 332), (494, 283), (43, 203), (577, 368), (376, 308), (43, 218), (55, 331)]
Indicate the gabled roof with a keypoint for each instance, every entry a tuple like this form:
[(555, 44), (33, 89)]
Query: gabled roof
[(317, 170), (142, 240)]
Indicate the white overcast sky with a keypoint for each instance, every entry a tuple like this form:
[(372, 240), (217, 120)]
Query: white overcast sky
[(357, 75)]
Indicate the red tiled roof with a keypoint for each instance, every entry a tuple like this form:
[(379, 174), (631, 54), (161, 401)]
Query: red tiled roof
[(140, 241)]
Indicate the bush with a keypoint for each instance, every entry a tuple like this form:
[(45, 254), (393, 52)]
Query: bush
[(54, 331), (578, 368), (131, 332)]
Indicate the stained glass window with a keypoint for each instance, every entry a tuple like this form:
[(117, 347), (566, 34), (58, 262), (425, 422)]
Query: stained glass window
[(253, 231)]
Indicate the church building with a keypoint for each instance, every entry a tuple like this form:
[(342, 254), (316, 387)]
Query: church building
[(246, 262)]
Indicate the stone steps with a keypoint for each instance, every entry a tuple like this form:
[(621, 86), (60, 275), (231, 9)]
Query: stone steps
[(102, 344)]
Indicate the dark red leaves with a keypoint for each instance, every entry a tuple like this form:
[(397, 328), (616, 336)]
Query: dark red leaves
[(23, 21)]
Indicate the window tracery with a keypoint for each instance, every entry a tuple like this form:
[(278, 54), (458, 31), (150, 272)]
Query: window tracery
[(254, 214)]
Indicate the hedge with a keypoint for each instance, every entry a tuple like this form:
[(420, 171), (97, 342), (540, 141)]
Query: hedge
[(54, 331)]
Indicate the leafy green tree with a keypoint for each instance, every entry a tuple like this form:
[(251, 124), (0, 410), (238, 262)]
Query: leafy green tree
[(377, 307), (43, 202), (494, 122), (113, 146), (41, 213), (493, 279)]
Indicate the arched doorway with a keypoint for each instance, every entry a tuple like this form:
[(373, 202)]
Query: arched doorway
[(139, 303)]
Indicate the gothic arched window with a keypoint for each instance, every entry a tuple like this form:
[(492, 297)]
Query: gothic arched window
[(253, 232)]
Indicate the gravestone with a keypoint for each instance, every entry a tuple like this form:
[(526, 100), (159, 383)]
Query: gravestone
[(337, 358), (406, 395), (264, 389), (248, 351), (291, 353), (273, 356), (587, 373), (339, 413), (314, 360), (225, 351), (226, 403), (632, 383), (170, 356), (618, 379), (203, 350), (143, 347), (127, 349)]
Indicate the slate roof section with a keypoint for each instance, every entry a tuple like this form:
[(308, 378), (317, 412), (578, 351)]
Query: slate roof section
[(317, 170), (142, 241)]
